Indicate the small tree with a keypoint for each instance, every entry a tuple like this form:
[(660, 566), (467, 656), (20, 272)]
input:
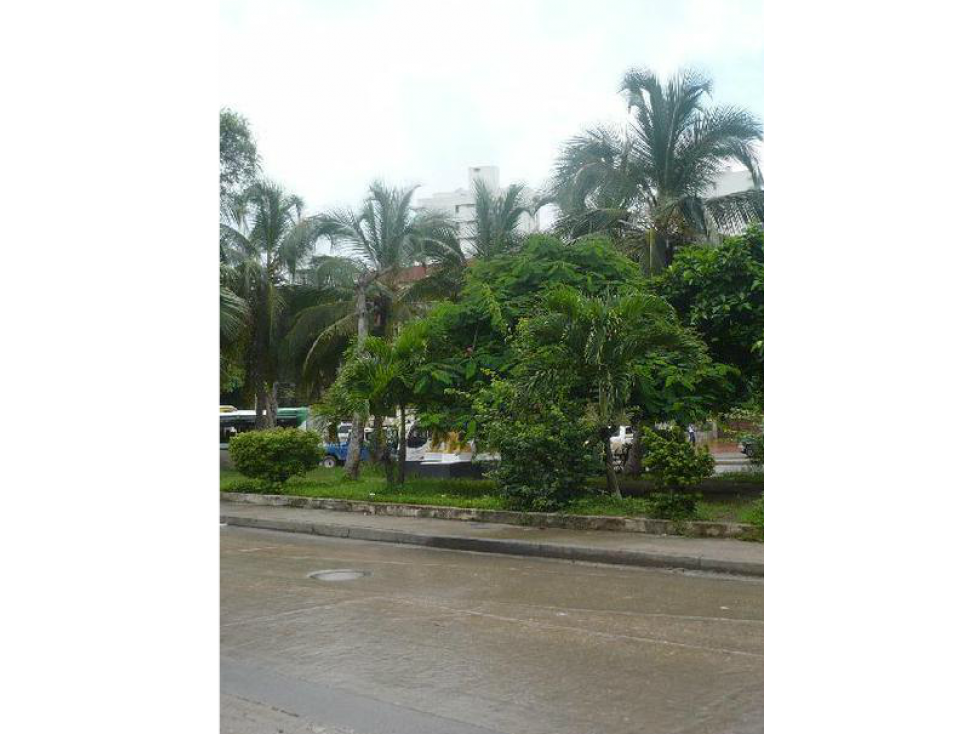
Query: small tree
[(377, 379), (599, 344)]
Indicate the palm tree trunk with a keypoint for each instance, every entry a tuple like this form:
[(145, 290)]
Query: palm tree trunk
[(272, 415), (611, 480), (385, 459), (353, 446), (633, 462), (357, 428), (261, 401), (377, 447), (402, 446)]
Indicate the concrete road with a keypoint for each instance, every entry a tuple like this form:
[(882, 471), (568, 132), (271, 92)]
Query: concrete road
[(436, 641)]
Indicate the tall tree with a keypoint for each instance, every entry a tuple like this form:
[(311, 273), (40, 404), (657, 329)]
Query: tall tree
[(239, 154), (495, 230), (264, 241), (389, 236), (650, 184)]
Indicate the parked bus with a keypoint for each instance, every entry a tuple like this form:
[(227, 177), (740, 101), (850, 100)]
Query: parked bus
[(234, 421)]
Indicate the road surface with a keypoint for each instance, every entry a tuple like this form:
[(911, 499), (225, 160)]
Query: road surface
[(434, 641)]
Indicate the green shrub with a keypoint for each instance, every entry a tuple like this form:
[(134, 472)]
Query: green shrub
[(274, 455), (543, 462), (672, 462)]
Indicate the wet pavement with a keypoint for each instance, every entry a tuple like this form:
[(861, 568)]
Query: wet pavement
[(725, 549), (434, 641)]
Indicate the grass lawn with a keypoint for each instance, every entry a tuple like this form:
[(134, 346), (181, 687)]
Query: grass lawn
[(476, 493), (372, 487)]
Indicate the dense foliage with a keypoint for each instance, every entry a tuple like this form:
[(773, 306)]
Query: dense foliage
[(470, 341), (276, 454), (719, 292), (535, 347), (546, 447), (672, 462)]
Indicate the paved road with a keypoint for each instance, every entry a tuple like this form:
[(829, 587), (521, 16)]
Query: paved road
[(442, 641)]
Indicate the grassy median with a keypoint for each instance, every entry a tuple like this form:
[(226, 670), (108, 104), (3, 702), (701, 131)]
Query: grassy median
[(474, 493)]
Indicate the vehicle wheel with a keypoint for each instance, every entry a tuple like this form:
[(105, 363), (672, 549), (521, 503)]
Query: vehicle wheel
[(330, 462)]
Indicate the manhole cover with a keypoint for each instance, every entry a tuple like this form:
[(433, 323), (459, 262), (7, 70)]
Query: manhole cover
[(338, 574)]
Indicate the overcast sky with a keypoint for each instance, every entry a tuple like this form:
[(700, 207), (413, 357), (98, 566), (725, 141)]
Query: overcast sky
[(340, 92)]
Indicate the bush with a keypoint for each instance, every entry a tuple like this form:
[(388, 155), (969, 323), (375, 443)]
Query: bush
[(544, 457), (274, 455), (672, 462)]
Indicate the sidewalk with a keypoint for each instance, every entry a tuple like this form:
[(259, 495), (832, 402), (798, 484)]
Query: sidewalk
[(594, 546)]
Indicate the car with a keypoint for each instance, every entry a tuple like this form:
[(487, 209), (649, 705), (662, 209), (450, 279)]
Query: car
[(336, 453)]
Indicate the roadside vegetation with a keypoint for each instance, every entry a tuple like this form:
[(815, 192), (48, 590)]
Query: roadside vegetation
[(642, 306), (372, 486)]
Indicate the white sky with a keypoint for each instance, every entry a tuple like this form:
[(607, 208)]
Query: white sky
[(340, 92)]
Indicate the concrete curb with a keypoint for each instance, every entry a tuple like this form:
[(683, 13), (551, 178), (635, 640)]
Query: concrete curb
[(694, 529), (505, 547)]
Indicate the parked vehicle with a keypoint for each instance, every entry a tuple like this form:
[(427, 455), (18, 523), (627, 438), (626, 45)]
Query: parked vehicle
[(234, 421), (336, 454)]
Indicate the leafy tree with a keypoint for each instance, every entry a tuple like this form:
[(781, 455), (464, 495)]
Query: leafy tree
[(545, 442), (648, 185), (682, 388), (720, 293), (469, 341), (239, 155), (602, 344)]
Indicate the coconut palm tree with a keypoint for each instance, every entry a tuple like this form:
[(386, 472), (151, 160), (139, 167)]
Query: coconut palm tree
[(495, 229), (649, 184), (264, 241), (388, 235)]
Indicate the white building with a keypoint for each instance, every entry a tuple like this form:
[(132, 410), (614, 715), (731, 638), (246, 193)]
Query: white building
[(730, 181), (461, 203)]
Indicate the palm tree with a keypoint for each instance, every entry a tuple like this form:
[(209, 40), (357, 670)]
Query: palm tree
[(495, 229), (604, 341), (381, 376), (389, 236), (648, 185), (264, 241)]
